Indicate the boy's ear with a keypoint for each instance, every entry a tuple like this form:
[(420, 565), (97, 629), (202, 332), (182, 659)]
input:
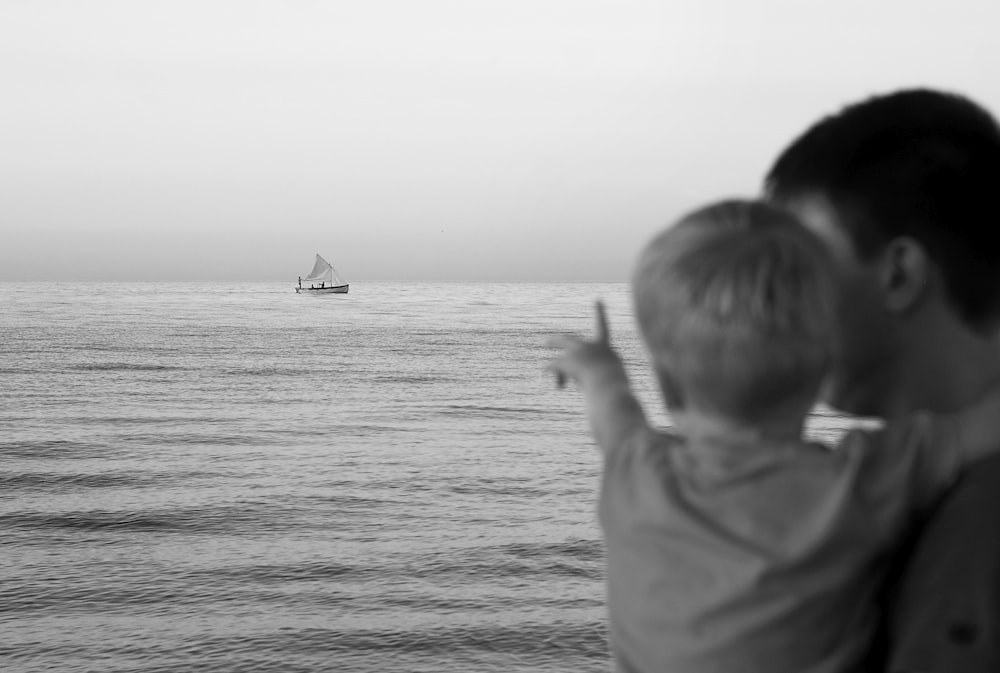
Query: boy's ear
[(905, 274)]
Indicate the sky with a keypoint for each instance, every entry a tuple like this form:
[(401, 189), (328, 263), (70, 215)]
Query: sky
[(485, 140)]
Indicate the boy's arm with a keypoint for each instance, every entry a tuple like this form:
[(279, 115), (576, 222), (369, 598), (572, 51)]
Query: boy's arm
[(979, 426), (614, 412), (928, 451)]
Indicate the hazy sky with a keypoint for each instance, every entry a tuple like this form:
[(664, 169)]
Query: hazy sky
[(422, 139)]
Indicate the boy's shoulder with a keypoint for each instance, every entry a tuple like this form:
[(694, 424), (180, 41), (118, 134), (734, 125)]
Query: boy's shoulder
[(669, 450), (646, 443)]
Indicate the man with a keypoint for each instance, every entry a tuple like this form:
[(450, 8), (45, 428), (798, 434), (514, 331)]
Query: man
[(905, 189)]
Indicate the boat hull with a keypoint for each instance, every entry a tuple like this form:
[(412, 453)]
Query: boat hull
[(339, 289)]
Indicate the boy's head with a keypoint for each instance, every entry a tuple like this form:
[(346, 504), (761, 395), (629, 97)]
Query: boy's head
[(904, 189), (737, 304)]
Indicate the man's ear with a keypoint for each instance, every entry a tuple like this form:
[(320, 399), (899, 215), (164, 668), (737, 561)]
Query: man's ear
[(905, 274)]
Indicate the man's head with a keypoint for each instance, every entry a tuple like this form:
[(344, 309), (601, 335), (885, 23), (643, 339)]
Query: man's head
[(904, 188), (737, 304)]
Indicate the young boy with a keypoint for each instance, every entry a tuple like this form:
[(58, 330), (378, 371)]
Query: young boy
[(733, 544)]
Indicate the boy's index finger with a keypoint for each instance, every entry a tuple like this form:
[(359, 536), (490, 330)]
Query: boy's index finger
[(603, 333)]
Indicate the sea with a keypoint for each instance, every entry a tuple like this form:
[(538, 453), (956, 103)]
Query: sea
[(234, 477)]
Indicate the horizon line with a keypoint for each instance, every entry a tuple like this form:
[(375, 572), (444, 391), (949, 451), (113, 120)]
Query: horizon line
[(293, 282)]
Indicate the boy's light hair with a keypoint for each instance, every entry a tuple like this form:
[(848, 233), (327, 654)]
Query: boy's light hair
[(737, 303)]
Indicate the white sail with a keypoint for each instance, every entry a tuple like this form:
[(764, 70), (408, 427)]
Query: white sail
[(337, 278), (323, 272)]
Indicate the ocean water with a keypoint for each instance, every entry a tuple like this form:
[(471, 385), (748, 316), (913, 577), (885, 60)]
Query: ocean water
[(238, 478)]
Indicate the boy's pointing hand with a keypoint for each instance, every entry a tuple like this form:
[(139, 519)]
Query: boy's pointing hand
[(586, 361)]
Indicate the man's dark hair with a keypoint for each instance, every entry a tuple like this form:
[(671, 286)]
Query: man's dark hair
[(917, 163)]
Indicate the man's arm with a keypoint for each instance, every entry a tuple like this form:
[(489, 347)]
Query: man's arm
[(614, 412)]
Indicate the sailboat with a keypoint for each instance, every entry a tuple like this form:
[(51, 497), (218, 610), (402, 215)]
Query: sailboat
[(323, 279)]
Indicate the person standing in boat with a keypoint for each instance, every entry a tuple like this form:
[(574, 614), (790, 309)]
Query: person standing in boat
[(300, 282)]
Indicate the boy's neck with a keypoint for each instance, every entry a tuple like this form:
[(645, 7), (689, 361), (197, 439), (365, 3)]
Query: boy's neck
[(710, 427)]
